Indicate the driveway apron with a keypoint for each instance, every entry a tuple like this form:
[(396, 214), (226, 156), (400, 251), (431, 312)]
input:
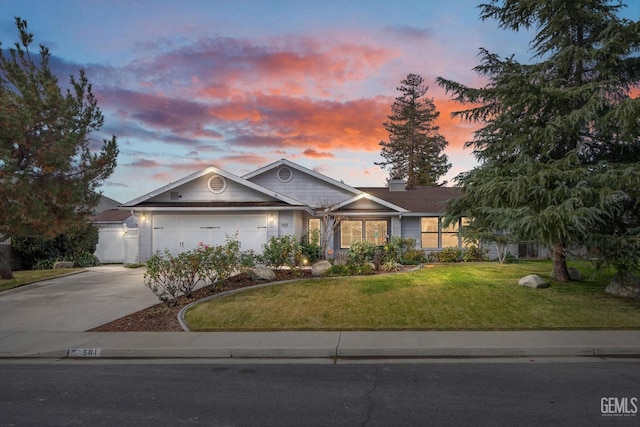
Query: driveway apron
[(77, 302)]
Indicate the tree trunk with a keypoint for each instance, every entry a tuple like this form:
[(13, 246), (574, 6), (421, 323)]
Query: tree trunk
[(560, 272), (5, 269)]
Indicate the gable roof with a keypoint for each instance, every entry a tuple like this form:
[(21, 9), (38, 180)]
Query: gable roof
[(368, 196), (422, 200), (212, 169), (285, 162)]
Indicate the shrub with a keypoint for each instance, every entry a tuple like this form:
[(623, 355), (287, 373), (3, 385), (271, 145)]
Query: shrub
[(44, 264), (397, 247), (218, 263), (341, 258), (361, 251), (348, 270), (282, 251), (391, 266), (338, 270), (474, 254), (510, 258), (414, 256), (311, 250), (73, 244), (451, 254), (78, 241), (86, 260), (187, 271), (160, 277)]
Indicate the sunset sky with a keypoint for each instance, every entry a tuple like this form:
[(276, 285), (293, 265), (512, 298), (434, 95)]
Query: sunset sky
[(239, 84)]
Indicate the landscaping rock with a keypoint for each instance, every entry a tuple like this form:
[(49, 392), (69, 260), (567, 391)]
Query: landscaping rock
[(574, 273), (533, 281), (63, 264), (262, 272), (320, 267), (627, 286)]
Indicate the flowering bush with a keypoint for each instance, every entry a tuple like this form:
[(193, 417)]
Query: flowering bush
[(161, 277), (168, 276), (218, 263)]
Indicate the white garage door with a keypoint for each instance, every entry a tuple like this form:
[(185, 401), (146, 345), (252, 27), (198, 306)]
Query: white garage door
[(180, 233)]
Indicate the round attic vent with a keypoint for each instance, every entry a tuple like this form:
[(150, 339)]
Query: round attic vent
[(217, 184), (285, 174)]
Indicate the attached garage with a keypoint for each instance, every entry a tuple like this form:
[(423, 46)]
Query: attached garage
[(183, 232)]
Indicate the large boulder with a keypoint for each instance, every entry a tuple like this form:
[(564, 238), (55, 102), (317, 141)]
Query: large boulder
[(261, 272), (320, 267), (533, 281), (625, 285)]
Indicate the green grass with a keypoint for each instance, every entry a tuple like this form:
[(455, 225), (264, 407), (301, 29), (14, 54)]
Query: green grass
[(21, 278), (470, 296)]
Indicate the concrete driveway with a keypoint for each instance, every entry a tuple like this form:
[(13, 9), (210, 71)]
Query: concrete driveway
[(77, 302)]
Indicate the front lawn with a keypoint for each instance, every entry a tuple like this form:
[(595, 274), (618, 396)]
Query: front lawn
[(30, 276), (469, 296)]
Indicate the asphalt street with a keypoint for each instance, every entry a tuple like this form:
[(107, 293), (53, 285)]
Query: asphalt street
[(528, 393)]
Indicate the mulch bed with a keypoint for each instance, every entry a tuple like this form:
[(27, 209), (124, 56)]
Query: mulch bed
[(160, 318)]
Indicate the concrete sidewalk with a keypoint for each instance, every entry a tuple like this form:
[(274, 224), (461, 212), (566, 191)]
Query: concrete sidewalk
[(397, 344)]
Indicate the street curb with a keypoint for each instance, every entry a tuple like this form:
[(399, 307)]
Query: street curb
[(317, 345)]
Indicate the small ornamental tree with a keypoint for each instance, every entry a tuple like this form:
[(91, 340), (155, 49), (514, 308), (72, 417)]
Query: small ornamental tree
[(50, 168)]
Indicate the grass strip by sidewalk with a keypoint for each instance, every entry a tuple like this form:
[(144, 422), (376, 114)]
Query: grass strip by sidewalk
[(468, 296), (26, 277)]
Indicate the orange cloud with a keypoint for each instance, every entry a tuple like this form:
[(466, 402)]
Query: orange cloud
[(309, 152)]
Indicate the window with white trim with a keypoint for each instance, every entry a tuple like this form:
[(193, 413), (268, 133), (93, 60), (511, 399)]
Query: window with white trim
[(434, 235), (371, 230)]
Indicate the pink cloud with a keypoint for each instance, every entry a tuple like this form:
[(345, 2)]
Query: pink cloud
[(309, 152)]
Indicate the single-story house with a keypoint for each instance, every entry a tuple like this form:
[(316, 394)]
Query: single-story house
[(284, 198)]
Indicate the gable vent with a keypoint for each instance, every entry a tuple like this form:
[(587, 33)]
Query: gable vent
[(217, 184), (284, 174)]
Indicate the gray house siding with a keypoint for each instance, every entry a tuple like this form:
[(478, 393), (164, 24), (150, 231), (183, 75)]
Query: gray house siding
[(286, 225), (304, 188), (411, 228), (198, 191)]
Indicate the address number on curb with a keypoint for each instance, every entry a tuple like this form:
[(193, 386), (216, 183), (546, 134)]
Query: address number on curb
[(84, 352)]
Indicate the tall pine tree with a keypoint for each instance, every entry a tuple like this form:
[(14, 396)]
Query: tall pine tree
[(559, 149), (49, 166), (415, 147)]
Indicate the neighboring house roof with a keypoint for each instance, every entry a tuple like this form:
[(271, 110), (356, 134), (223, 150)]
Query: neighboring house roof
[(429, 200), (111, 215), (105, 203)]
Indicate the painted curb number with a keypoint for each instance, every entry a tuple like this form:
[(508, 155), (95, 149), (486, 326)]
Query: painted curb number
[(84, 352)]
